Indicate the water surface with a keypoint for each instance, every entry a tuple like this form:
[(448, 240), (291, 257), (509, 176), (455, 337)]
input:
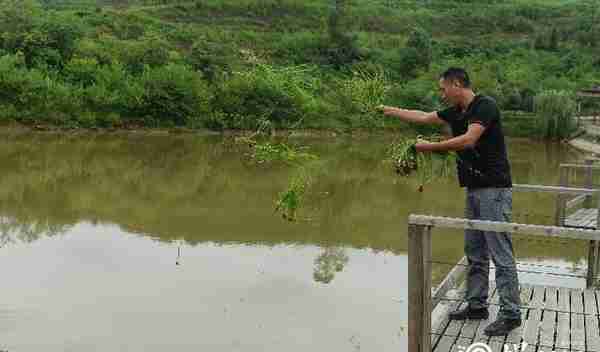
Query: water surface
[(141, 242)]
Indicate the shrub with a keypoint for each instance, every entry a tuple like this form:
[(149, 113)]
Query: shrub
[(420, 40), (152, 50), (555, 112), (81, 71), (212, 58), (169, 95), (281, 96)]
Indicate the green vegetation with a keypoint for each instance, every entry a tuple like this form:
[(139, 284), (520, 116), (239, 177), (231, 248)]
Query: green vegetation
[(428, 166), (231, 64), (555, 110)]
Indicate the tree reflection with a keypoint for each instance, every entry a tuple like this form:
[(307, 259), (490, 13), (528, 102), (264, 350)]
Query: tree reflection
[(13, 230), (329, 262)]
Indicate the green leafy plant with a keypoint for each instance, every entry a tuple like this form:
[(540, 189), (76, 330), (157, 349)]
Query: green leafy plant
[(427, 166)]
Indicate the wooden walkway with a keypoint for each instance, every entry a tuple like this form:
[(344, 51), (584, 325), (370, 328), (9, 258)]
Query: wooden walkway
[(554, 319), (582, 218)]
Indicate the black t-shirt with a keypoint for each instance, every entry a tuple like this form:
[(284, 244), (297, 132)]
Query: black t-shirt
[(486, 164)]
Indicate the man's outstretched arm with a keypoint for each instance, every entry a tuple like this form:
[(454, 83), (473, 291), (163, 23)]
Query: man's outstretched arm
[(412, 115)]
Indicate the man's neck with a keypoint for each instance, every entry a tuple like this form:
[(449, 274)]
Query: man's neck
[(466, 100)]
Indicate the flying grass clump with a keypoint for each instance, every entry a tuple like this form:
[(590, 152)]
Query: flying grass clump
[(268, 152), (291, 199), (427, 166)]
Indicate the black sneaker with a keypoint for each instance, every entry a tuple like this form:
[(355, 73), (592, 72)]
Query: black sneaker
[(469, 313), (502, 327)]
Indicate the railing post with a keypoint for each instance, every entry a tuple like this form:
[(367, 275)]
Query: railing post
[(559, 217), (593, 249), (419, 288), (591, 269), (588, 183)]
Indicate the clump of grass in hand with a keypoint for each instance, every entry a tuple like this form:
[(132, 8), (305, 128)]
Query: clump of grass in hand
[(405, 157), (427, 166)]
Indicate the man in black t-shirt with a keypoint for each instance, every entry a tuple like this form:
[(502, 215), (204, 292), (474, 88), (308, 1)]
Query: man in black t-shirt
[(484, 171)]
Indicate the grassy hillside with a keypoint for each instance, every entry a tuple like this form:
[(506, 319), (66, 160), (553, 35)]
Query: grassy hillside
[(286, 63)]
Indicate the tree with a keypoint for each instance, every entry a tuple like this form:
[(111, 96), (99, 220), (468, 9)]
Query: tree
[(342, 48), (420, 40)]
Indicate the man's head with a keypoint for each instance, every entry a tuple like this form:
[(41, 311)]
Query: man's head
[(454, 84)]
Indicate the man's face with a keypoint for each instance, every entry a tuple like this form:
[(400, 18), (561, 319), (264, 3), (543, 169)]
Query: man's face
[(449, 90)]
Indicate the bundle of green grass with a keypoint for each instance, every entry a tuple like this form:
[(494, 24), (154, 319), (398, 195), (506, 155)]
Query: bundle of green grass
[(427, 166)]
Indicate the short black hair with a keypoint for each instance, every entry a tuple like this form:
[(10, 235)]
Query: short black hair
[(457, 74)]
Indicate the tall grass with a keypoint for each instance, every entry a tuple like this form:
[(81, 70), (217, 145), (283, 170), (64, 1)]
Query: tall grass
[(555, 111)]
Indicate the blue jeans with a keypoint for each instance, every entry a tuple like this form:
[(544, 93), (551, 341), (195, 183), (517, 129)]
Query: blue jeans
[(494, 204)]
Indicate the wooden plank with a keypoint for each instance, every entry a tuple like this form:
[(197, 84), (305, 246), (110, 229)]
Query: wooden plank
[(592, 337), (445, 344), (480, 336), (562, 331), (577, 301), (577, 332), (455, 326), (551, 302), (450, 281), (564, 299), (516, 335), (461, 345), (496, 345), (531, 328), (547, 328), (537, 300), (419, 286), (472, 328), (579, 166), (553, 189), (525, 292), (440, 327), (527, 348), (532, 325), (442, 323), (549, 317), (536, 230), (494, 310), (589, 299)]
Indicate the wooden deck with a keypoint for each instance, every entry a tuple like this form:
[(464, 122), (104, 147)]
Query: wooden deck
[(554, 319), (582, 218)]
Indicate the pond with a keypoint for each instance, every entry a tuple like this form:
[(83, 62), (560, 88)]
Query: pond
[(154, 242)]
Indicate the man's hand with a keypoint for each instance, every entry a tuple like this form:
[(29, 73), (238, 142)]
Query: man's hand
[(422, 145), (387, 110)]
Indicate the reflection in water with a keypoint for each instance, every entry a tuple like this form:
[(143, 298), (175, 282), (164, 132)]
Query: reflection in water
[(330, 261), (197, 189), (13, 231)]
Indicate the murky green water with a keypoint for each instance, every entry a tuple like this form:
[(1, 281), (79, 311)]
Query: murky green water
[(94, 225)]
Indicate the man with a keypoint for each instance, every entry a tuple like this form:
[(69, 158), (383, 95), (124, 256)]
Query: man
[(484, 171)]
